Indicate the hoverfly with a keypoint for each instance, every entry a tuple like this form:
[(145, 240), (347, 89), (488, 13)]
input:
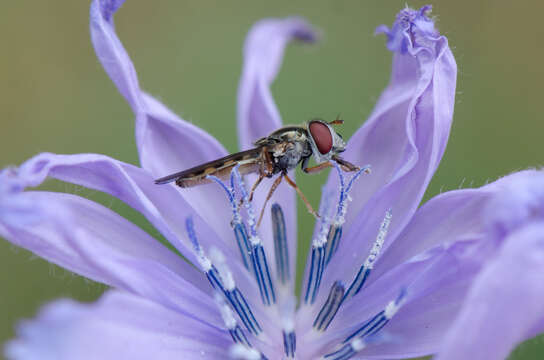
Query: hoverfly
[(275, 154)]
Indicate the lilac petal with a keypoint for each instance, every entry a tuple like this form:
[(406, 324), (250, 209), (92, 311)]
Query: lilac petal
[(155, 124), (452, 216), (118, 326), (522, 201), (93, 241), (161, 205), (403, 139), (504, 305), (257, 113), (436, 283), (166, 143), (263, 54)]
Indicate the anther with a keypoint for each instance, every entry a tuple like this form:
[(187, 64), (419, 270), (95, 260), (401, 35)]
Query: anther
[(240, 231), (317, 265), (234, 329), (347, 351), (289, 343), (333, 239), (367, 333), (242, 352), (367, 266), (280, 244), (317, 261), (221, 279), (258, 256), (233, 295), (378, 321), (287, 313), (330, 308), (335, 231)]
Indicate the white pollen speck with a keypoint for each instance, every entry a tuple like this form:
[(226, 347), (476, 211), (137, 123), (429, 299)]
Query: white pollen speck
[(228, 317), (255, 240), (241, 352), (391, 309), (357, 344), (380, 239), (287, 312), (226, 312), (204, 262), (224, 272)]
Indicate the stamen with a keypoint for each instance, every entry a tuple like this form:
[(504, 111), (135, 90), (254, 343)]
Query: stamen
[(344, 192), (241, 352), (240, 231), (344, 353), (221, 279), (333, 239), (351, 348), (235, 330), (258, 256), (378, 321), (287, 311), (331, 306), (204, 262), (317, 260), (366, 334), (347, 351), (317, 264), (368, 265), (289, 343), (280, 244), (335, 231), (233, 294)]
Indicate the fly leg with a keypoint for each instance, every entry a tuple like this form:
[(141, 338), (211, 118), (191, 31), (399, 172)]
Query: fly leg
[(252, 191), (266, 169), (315, 169), (299, 192), (273, 188), (345, 165)]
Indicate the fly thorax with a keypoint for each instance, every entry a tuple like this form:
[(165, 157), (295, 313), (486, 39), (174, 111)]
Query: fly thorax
[(289, 155)]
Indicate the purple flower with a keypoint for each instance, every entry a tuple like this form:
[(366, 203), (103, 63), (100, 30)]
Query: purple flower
[(384, 279), (504, 304)]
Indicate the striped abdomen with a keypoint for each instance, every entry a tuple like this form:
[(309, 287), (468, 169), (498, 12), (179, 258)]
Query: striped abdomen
[(249, 160)]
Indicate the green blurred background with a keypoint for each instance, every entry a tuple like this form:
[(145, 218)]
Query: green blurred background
[(54, 96)]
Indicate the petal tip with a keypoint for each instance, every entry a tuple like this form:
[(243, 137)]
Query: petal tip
[(520, 202), (303, 30), (108, 7), (411, 29)]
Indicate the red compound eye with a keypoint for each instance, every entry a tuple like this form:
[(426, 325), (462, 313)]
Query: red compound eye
[(322, 136)]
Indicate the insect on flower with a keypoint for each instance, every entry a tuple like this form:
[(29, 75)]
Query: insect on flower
[(274, 154)]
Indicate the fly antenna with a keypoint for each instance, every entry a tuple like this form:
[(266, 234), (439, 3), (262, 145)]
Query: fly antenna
[(336, 121)]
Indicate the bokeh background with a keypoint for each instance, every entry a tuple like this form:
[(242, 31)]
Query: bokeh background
[(54, 96)]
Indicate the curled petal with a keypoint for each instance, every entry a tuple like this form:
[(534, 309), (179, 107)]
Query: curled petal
[(403, 139), (119, 326), (504, 304), (166, 143), (258, 115), (263, 54)]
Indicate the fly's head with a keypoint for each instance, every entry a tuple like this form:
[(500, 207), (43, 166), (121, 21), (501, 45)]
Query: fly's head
[(324, 140)]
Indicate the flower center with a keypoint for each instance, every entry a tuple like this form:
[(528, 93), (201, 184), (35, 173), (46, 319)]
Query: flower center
[(278, 295)]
